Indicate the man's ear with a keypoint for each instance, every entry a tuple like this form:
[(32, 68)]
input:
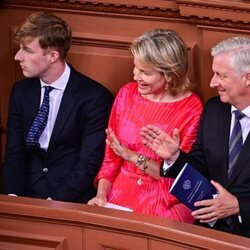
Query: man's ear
[(54, 55), (247, 79)]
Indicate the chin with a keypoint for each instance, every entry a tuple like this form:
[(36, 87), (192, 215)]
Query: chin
[(26, 74), (224, 99)]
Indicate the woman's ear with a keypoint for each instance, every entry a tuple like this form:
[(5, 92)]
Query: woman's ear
[(169, 77)]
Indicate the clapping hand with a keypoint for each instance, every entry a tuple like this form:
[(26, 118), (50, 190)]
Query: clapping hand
[(161, 143), (119, 149)]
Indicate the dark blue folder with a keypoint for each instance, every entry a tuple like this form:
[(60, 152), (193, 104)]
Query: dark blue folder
[(191, 186)]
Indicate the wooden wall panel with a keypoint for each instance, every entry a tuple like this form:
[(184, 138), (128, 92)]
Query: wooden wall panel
[(107, 61), (103, 30), (37, 234), (209, 36), (43, 224), (29, 241), (103, 240)]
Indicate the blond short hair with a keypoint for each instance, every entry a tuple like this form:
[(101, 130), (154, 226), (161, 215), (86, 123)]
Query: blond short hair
[(52, 32)]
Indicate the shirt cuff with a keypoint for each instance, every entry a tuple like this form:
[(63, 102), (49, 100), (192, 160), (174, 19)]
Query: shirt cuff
[(166, 166), (240, 219)]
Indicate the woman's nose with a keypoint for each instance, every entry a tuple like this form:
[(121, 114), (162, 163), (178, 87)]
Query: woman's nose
[(136, 74)]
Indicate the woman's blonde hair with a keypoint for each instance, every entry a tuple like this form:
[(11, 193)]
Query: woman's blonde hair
[(165, 51)]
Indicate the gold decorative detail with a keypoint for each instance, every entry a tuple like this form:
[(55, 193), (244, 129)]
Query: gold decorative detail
[(139, 182)]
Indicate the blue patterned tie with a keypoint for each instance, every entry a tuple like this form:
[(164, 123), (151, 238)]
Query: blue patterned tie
[(235, 142), (40, 121)]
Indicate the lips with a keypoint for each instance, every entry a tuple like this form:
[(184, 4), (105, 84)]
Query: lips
[(142, 86), (220, 90)]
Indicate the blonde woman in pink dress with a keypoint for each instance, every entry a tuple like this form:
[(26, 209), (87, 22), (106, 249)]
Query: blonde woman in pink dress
[(160, 95)]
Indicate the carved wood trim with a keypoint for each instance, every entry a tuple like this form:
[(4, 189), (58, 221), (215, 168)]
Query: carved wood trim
[(200, 12), (14, 238), (89, 219), (218, 13), (100, 41), (165, 10), (231, 5)]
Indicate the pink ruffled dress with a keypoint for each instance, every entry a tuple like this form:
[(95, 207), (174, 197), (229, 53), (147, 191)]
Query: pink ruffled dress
[(130, 187)]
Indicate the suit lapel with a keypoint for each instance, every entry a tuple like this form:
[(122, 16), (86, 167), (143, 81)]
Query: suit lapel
[(32, 99), (67, 104), (224, 119)]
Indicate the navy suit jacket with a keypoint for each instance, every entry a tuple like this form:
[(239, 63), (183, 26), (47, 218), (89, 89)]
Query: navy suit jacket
[(210, 156), (67, 170)]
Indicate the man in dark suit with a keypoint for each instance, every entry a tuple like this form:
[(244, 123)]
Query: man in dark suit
[(210, 153), (61, 160)]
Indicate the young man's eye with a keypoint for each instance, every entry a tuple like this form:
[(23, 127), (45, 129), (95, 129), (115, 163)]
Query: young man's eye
[(27, 50)]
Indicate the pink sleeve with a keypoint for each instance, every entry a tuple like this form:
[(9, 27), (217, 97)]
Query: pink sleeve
[(111, 163), (190, 124)]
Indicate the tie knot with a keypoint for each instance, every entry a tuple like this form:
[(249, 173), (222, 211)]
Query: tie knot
[(48, 89), (238, 115)]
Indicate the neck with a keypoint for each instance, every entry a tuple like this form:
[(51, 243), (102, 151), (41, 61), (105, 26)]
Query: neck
[(166, 97), (54, 72)]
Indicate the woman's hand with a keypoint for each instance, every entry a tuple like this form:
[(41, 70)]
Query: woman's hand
[(119, 149), (100, 200), (152, 167), (161, 143)]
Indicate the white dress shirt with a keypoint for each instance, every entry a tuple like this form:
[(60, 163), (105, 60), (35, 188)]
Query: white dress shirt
[(55, 101), (244, 122)]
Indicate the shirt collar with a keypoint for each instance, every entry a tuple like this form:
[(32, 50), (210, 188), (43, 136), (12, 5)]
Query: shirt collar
[(62, 81), (245, 111)]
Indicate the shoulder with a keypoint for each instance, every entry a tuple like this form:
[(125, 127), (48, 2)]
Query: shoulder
[(215, 103), (26, 85), (216, 108), (194, 99), (128, 90), (192, 103), (86, 84)]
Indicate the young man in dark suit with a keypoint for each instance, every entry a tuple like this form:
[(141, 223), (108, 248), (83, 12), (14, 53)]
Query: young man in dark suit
[(226, 164), (55, 144)]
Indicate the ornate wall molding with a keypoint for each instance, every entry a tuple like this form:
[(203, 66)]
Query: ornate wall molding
[(230, 5), (219, 13), (159, 9), (230, 13), (99, 41)]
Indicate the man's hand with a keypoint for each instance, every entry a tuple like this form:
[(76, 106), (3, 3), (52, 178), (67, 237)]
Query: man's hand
[(161, 143), (224, 205)]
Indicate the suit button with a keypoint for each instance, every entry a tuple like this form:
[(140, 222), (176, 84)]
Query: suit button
[(45, 170)]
